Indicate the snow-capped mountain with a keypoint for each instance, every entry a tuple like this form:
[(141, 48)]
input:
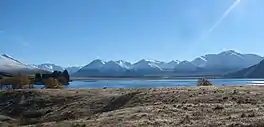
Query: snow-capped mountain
[(223, 62), (199, 62), (146, 65), (110, 65), (124, 68), (113, 66), (185, 66), (168, 65), (102, 68), (230, 59), (9, 64), (94, 65), (50, 67), (53, 67), (72, 70), (124, 64)]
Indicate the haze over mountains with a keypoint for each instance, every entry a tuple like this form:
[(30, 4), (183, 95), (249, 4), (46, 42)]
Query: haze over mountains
[(221, 63)]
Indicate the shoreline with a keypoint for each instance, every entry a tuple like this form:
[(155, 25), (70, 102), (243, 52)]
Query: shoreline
[(142, 77), (154, 78)]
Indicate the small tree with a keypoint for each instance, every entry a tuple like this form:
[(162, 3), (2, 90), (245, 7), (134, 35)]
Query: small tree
[(65, 73), (54, 74), (204, 82), (38, 77)]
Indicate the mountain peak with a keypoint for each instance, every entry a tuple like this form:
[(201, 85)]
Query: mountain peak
[(50, 67), (146, 64), (97, 60), (146, 61), (174, 61), (230, 52), (5, 55), (11, 58), (11, 65)]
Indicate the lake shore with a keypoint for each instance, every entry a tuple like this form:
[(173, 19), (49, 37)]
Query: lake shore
[(146, 77), (183, 106)]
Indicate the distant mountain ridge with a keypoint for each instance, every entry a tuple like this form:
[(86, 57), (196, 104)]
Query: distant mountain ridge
[(53, 67), (10, 65), (221, 63), (255, 71)]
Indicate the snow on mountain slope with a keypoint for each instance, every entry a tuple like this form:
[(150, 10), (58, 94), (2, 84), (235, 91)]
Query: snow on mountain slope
[(103, 66), (167, 66), (113, 65), (231, 59), (222, 62), (146, 65), (124, 64), (50, 67), (53, 67), (94, 65), (11, 58), (9, 63), (186, 65)]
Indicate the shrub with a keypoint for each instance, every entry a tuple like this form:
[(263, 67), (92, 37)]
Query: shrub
[(52, 83), (17, 82), (204, 82)]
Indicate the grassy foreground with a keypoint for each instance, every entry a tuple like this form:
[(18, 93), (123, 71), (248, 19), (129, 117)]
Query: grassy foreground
[(195, 107)]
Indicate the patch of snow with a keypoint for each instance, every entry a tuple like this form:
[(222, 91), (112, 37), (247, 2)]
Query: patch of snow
[(95, 64), (146, 64), (124, 64), (50, 67), (9, 63)]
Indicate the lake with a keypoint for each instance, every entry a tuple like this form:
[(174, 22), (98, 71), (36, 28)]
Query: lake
[(137, 83)]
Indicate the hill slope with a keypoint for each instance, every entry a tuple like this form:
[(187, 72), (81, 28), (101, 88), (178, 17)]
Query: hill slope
[(10, 65), (157, 107), (255, 71)]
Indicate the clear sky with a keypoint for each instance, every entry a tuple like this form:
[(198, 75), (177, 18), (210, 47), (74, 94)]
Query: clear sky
[(74, 32)]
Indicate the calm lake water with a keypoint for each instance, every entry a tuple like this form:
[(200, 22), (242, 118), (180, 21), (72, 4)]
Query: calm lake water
[(158, 83)]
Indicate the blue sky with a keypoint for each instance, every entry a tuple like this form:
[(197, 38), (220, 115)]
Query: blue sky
[(68, 32)]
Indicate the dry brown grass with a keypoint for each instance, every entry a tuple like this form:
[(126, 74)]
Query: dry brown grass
[(195, 107), (17, 82)]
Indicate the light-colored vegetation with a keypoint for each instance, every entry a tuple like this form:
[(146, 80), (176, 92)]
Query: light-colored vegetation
[(155, 107), (52, 83), (17, 82), (25, 82)]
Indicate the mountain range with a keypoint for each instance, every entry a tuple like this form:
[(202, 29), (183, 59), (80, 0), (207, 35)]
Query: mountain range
[(221, 63), (53, 67)]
